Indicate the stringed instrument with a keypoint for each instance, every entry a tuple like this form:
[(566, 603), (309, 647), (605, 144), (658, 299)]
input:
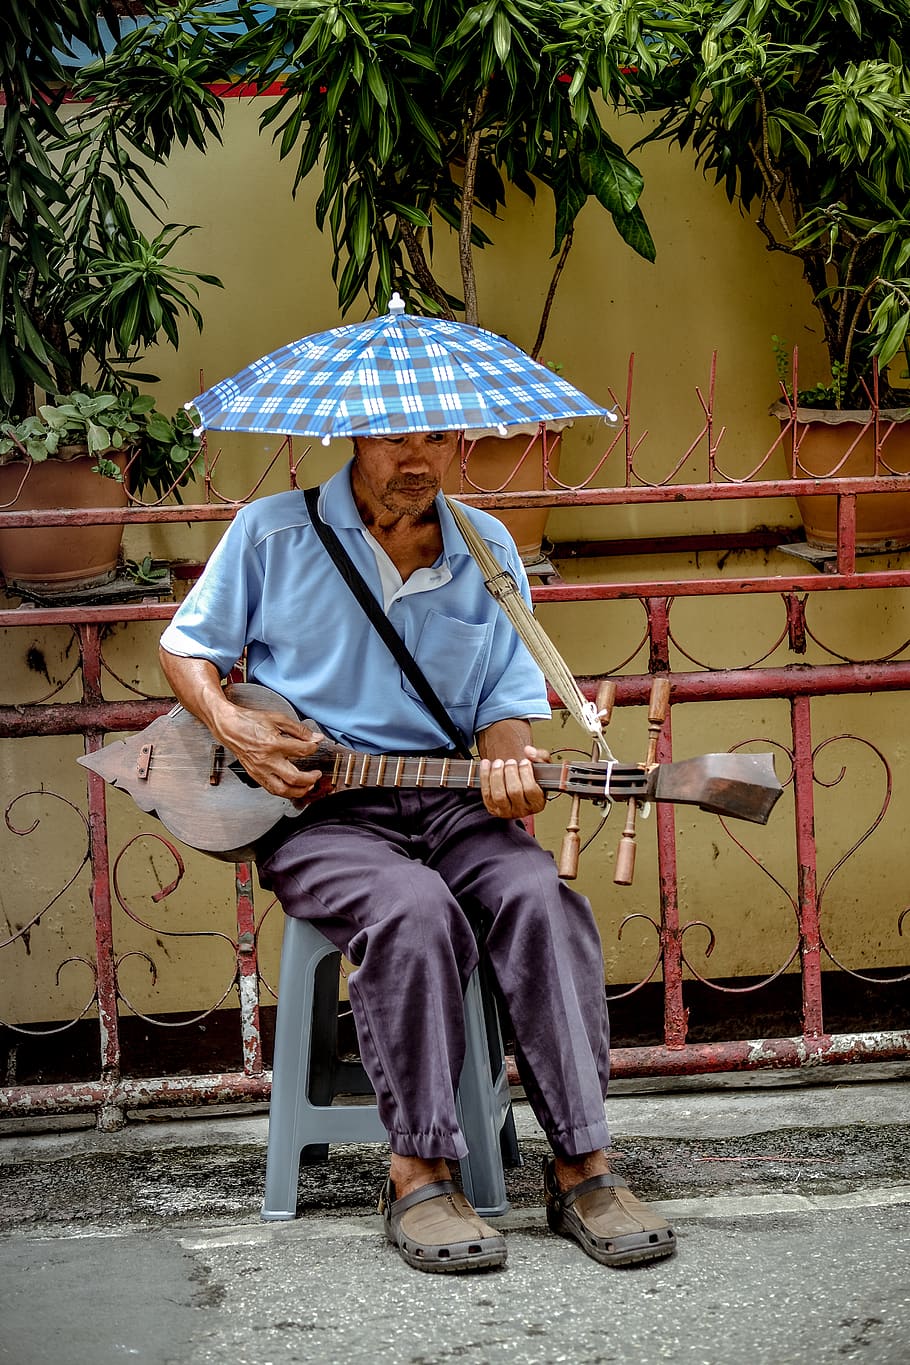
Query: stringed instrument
[(176, 769)]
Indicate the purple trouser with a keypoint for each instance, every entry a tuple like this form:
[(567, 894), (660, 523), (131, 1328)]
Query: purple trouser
[(384, 875)]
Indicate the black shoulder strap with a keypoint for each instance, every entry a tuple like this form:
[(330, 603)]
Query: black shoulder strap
[(352, 576)]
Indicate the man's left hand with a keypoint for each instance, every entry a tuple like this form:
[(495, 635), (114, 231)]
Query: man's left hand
[(509, 787)]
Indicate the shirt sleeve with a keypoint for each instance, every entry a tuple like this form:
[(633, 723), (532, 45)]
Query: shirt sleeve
[(212, 622)]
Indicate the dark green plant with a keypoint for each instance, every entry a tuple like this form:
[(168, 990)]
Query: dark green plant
[(801, 110), (144, 570), (83, 291), (820, 395), (417, 115)]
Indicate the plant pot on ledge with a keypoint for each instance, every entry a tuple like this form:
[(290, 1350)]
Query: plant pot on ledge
[(518, 462), (81, 452), (60, 557), (825, 438)]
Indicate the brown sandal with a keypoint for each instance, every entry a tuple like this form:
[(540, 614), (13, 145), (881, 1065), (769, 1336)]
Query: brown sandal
[(436, 1229), (606, 1220)]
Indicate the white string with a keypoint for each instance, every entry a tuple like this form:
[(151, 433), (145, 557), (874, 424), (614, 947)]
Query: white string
[(608, 777)]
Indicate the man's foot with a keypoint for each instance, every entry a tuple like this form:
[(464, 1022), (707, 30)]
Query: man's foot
[(591, 1206), (409, 1173), (436, 1229)]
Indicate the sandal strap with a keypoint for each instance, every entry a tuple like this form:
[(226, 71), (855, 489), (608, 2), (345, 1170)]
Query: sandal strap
[(595, 1182), (433, 1191)]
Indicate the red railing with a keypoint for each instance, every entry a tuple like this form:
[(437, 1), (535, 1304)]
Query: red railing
[(798, 683)]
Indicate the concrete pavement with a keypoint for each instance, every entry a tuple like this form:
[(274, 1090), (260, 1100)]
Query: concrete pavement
[(791, 1203)]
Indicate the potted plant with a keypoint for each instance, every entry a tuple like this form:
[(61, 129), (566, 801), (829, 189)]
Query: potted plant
[(54, 458), (83, 291), (421, 118), (802, 112)]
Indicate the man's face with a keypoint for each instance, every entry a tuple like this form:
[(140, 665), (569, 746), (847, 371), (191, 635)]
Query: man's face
[(403, 474)]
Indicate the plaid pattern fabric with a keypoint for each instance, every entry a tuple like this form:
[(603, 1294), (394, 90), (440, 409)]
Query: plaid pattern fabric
[(394, 373)]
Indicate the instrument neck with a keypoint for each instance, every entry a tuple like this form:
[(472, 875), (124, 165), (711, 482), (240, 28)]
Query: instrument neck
[(349, 769)]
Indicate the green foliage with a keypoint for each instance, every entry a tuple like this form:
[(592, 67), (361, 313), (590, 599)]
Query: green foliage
[(819, 395), (83, 291), (162, 452), (417, 115), (801, 110), (144, 571)]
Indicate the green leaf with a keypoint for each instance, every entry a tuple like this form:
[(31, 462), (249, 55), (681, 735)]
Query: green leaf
[(570, 197), (28, 333), (360, 232), (377, 85), (159, 428), (613, 180), (410, 212), (894, 340), (502, 36), (633, 229), (126, 329), (98, 438), (423, 126), (850, 12)]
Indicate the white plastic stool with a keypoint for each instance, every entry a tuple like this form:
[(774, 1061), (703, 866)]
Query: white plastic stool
[(307, 1075)]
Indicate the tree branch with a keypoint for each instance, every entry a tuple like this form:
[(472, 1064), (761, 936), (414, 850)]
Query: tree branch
[(422, 272), (551, 294), (465, 254)]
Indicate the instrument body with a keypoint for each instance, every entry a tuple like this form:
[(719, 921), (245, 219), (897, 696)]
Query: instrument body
[(175, 769)]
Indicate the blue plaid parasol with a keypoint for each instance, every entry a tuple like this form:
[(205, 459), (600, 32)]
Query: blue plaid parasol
[(394, 373)]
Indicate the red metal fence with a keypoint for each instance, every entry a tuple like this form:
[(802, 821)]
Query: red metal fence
[(697, 476)]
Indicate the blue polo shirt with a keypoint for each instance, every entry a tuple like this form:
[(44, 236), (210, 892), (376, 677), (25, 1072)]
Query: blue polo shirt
[(271, 588)]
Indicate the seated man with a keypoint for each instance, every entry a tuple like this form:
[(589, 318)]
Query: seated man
[(388, 875)]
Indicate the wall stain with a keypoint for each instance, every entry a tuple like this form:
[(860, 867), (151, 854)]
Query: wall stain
[(36, 662)]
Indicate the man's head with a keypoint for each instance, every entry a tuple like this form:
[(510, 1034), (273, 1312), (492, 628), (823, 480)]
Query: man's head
[(403, 473)]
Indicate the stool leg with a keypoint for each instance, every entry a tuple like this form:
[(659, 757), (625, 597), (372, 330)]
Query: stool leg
[(482, 1108), (290, 1071), (508, 1142), (508, 1137), (323, 1047), (306, 1058)]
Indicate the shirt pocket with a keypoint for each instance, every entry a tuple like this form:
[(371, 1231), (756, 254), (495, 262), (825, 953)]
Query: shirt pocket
[(453, 654)]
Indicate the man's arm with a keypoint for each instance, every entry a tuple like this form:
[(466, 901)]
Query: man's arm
[(507, 781), (268, 744)]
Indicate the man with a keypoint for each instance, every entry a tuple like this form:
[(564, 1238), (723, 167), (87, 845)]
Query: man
[(391, 876)]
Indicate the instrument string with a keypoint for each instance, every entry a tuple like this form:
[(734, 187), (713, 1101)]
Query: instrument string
[(416, 771)]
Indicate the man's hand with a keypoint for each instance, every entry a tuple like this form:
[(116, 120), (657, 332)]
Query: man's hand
[(507, 782), (509, 787), (267, 743), (270, 746)]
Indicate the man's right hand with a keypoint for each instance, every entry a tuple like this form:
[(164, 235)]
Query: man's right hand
[(272, 748), (268, 744)]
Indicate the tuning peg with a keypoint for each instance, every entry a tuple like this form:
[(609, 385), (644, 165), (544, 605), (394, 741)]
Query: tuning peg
[(625, 854), (605, 700), (658, 707), (571, 845)]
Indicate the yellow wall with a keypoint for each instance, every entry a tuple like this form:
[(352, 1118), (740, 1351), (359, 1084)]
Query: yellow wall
[(714, 287)]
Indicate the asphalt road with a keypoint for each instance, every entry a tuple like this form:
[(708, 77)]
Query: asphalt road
[(792, 1213)]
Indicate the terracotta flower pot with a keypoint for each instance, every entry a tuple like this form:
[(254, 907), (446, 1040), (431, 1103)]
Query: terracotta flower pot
[(513, 463), (882, 519), (59, 556)]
